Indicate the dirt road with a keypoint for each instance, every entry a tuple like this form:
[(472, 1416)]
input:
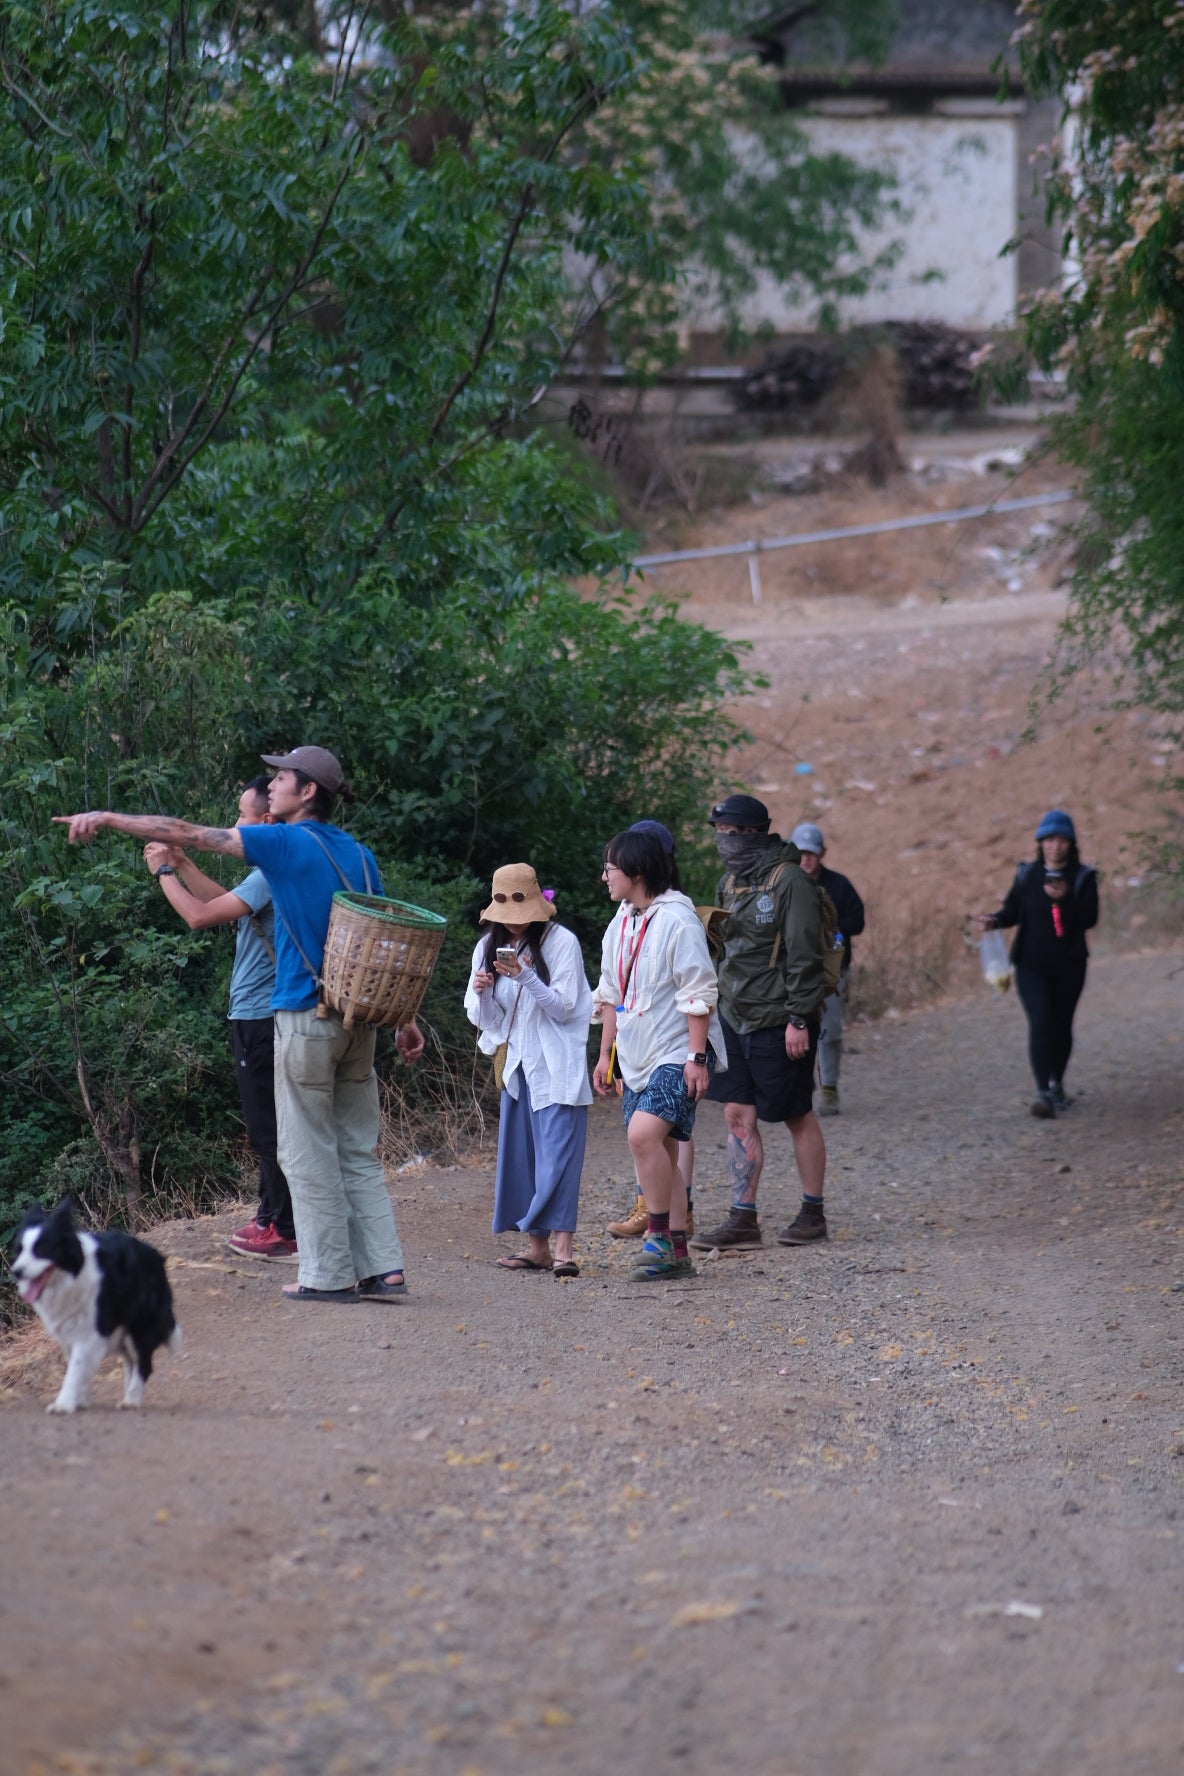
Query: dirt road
[(905, 1503)]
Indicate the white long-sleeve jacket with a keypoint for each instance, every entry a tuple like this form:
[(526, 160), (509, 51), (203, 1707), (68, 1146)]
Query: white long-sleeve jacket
[(548, 1040), (672, 978)]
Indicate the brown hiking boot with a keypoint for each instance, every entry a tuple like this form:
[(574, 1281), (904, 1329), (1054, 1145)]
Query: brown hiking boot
[(810, 1225), (740, 1232), (634, 1223)]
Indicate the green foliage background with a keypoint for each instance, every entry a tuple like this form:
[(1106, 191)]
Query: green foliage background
[(1116, 331), (278, 301)]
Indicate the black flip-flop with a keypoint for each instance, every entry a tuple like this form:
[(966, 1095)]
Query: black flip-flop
[(519, 1261), (566, 1268), (302, 1292), (378, 1289)]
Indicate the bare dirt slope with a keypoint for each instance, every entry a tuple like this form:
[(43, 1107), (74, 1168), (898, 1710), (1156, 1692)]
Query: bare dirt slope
[(906, 672), (908, 1502)]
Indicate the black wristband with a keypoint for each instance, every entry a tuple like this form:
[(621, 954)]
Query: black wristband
[(166, 869)]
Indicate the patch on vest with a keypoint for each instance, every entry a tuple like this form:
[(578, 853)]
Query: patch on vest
[(764, 909)]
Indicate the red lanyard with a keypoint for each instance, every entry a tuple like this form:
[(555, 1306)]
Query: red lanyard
[(624, 974)]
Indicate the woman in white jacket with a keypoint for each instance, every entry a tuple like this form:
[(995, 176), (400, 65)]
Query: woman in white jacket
[(656, 997), (527, 987)]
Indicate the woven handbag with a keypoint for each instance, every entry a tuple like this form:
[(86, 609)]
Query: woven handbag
[(501, 1053)]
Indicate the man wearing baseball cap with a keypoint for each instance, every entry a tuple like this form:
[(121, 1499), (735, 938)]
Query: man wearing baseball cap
[(849, 907), (325, 1085), (771, 988)]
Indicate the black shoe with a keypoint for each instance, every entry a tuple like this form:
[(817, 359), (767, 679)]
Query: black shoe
[(741, 1232), (809, 1225), (1042, 1106), (1056, 1092)]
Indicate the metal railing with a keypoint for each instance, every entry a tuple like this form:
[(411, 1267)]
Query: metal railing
[(757, 546)]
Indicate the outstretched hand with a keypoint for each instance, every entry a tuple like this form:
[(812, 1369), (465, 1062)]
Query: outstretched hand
[(409, 1042), (83, 827)]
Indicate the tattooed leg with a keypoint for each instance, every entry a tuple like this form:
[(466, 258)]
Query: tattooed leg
[(746, 1154)]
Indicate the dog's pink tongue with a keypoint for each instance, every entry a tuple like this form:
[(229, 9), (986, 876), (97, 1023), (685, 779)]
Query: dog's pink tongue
[(30, 1291)]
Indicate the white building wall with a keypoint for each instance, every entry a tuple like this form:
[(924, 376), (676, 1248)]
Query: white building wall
[(957, 178)]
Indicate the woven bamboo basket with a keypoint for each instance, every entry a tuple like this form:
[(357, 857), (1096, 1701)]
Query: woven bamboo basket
[(379, 957)]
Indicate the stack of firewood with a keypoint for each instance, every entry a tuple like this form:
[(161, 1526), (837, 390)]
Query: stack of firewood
[(934, 365)]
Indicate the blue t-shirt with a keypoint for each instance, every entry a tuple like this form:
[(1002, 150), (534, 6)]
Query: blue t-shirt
[(303, 882), (252, 979)]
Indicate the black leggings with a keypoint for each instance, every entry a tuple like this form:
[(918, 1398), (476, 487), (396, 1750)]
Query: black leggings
[(1049, 1001), (252, 1041)]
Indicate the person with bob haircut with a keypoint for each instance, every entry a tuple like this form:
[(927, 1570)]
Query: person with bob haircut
[(656, 999), (527, 988), (634, 1222), (1052, 903)]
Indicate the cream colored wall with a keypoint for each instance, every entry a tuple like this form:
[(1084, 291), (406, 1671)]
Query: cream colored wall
[(957, 176)]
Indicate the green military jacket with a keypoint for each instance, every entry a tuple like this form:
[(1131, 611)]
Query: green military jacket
[(771, 965)]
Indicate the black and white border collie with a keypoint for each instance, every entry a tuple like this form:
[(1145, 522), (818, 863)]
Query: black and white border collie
[(99, 1295)]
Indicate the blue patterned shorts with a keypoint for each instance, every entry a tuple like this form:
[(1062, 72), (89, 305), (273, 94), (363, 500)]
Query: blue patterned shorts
[(665, 1096)]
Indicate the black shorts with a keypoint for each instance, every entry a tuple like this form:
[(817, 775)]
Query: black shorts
[(761, 1073)]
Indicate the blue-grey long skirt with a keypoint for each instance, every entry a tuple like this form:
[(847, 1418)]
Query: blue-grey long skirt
[(540, 1155)]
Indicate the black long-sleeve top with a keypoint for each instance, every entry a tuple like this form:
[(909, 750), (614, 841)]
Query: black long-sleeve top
[(1036, 943), (848, 906)]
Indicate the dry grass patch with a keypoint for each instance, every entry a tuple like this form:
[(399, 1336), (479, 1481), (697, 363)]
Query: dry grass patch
[(30, 1363)]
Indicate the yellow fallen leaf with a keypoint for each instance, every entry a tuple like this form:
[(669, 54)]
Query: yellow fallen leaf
[(162, 1516), (691, 1615), (556, 1717), (891, 1350)]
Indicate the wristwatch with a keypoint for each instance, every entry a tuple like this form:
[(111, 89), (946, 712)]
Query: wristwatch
[(797, 1022), (166, 869), (698, 1060)]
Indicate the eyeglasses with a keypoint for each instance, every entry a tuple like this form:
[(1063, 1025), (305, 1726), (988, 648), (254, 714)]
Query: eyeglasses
[(503, 898)]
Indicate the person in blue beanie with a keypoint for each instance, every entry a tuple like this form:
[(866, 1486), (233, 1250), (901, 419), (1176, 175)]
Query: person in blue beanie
[(1052, 903)]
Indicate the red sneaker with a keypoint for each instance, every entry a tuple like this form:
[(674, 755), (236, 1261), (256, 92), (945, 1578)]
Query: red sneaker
[(253, 1241)]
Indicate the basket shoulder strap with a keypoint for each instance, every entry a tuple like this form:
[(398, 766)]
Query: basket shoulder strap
[(345, 881), (295, 942)]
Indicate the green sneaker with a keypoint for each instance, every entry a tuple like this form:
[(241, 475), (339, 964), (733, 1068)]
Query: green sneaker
[(658, 1262)]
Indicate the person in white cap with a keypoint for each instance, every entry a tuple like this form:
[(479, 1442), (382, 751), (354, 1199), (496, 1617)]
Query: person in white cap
[(325, 1085), (810, 842)]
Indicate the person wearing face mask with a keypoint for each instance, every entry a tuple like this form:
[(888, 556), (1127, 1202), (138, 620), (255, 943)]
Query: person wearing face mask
[(1053, 901), (771, 988)]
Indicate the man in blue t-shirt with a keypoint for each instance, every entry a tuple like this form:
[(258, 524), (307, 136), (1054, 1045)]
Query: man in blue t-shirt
[(325, 1085), (204, 904)]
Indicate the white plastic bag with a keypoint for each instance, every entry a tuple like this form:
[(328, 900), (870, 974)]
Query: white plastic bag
[(992, 948)]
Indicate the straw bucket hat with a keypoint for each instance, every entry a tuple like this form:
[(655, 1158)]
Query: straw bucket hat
[(517, 897)]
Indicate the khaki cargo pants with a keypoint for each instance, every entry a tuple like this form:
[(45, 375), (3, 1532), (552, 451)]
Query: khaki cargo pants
[(326, 1103)]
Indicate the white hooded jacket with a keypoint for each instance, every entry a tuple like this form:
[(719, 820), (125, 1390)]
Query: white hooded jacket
[(672, 978)]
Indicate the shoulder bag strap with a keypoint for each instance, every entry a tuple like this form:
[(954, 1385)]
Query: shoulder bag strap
[(256, 924)]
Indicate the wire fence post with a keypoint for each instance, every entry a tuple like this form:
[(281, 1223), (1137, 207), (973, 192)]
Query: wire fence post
[(754, 572)]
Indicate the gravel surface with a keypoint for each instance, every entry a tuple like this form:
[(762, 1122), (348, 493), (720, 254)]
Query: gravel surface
[(907, 1502)]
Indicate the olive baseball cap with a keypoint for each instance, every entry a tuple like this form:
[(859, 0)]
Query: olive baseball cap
[(311, 761)]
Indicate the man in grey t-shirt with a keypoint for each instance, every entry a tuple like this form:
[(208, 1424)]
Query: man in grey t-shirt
[(204, 903)]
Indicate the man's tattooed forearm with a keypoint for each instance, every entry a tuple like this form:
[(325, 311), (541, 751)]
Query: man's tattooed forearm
[(168, 831)]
